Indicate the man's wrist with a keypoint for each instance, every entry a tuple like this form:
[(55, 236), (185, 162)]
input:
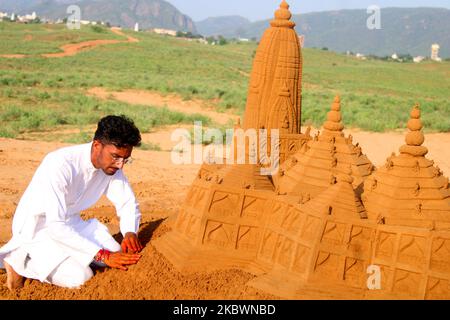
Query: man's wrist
[(102, 255)]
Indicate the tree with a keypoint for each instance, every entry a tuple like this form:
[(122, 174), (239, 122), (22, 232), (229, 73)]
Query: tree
[(222, 41)]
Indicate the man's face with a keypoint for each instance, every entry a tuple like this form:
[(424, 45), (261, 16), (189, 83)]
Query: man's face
[(108, 157)]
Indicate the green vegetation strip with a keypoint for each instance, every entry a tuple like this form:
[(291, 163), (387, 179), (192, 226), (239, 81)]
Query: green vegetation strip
[(376, 95)]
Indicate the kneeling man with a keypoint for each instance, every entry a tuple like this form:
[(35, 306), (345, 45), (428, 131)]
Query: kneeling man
[(51, 242)]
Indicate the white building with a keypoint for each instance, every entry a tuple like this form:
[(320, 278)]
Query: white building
[(435, 53), (13, 17), (136, 27), (168, 32), (26, 18), (394, 56), (418, 59), (360, 56)]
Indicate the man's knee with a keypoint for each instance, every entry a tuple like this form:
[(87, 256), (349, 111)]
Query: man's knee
[(80, 277), (70, 275)]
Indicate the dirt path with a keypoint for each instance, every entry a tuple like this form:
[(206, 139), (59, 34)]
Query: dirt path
[(173, 102), (74, 48)]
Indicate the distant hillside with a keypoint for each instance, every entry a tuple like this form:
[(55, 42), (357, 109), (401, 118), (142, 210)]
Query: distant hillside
[(148, 13), (221, 25), (403, 30)]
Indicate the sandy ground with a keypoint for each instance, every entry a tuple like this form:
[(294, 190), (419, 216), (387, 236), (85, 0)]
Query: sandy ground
[(74, 48), (160, 188)]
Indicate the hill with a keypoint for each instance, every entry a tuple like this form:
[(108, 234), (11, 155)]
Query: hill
[(221, 25), (403, 31), (148, 13)]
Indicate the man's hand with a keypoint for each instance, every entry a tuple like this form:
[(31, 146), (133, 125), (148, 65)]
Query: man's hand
[(131, 243), (120, 260)]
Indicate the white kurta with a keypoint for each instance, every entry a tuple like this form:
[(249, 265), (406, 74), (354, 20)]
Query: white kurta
[(48, 215)]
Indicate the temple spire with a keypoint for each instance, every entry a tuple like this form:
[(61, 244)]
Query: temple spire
[(415, 138), (283, 17), (334, 117)]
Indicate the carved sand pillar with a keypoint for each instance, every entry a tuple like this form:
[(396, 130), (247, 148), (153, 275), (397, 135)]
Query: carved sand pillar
[(274, 96)]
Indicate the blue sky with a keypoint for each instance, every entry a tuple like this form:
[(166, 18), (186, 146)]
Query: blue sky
[(263, 9)]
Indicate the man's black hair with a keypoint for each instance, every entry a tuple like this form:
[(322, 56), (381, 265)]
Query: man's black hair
[(119, 131)]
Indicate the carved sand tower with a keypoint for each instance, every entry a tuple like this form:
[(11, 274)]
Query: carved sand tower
[(409, 190), (221, 221), (314, 168), (275, 91), (274, 96), (410, 199)]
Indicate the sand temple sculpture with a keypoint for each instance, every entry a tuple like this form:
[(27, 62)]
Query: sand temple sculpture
[(327, 224)]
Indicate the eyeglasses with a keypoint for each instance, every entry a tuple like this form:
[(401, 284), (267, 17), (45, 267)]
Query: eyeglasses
[(119, 160)]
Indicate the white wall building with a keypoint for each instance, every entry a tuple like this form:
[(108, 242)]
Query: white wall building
[(168, 32), (435, 53), (418, 59)]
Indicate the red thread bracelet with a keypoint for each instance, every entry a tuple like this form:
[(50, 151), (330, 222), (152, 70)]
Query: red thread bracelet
[(102, 255)]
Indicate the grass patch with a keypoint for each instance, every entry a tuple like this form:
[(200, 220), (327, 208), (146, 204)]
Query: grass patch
[(33, 111), (150, 146)]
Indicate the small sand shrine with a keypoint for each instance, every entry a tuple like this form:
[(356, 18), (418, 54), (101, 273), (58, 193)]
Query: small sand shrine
[(314, 228)]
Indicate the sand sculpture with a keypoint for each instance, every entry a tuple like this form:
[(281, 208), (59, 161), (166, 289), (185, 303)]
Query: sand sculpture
[(315, 228)]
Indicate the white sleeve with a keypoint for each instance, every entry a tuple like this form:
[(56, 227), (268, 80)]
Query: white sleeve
[(55, 184), (119, 192)]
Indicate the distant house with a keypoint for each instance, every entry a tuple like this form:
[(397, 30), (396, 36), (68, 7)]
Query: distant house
[(168, 32), (360, 56), (418, 59), (243, 39), (27, 18), (13, 17), (136, 27), (394, 56), (3, 15)]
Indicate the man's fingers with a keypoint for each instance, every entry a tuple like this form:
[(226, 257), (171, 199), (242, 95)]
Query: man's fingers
[(134, 245), (129, 258)]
